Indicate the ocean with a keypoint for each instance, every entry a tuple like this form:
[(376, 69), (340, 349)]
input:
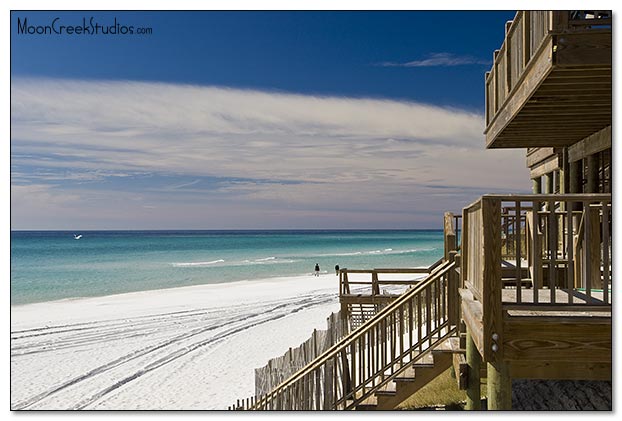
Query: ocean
[(52, 265)]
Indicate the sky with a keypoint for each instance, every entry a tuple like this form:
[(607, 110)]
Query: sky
[(253, 120)]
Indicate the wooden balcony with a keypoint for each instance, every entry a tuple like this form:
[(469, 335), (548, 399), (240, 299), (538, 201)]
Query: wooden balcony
[(536, 271), (550, 83)]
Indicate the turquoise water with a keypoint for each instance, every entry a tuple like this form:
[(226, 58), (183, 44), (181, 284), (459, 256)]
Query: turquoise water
[(52, 265)]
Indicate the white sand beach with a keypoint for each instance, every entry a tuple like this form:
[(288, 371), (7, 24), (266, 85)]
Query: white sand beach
[(189, 348)]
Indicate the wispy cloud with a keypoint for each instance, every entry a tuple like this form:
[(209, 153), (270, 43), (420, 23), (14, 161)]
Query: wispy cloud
[(264, 159), (437, 60)]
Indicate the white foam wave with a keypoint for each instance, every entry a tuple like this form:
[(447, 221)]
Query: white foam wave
[(264, 261), (184, 264), (374, 252)]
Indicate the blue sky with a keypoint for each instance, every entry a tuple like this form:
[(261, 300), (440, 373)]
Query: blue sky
[(254, 120)]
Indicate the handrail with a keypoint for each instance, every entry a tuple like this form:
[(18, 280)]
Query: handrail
[(345, 282), (348, 343)]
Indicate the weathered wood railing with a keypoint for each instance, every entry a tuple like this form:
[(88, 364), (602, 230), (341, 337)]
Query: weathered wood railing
[(524, 37), (569, 260), (451, 232), (372, 285), (373, 355)]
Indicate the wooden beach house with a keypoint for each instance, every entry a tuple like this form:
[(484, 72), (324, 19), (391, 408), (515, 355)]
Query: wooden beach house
[(524, 290)]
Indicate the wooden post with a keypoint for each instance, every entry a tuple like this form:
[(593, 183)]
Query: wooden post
[(575, 177), (536, 185), (449, 233), (499, 386), (464, 247), (452, 292), (492, 284), (592, 174), (375, 288), (473, 357), (548, 183), (526, 37), (592, 248)]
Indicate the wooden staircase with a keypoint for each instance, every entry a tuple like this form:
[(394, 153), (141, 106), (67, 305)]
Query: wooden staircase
[(415, 377), (404, 346)]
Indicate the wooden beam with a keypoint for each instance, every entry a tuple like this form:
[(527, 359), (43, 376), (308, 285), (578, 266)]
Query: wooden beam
[(472, 315), (538, 155), (560, 370), (568, 339), (546, 167), (588, 48), (592, 144)]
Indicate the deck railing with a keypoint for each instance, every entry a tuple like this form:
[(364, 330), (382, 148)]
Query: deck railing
[(372, 286), (373, 355), (452, 226), (562, 242), (525, 36)]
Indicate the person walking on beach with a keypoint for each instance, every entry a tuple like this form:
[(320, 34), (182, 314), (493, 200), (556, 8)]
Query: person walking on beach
[(336, 270), (317, 270)]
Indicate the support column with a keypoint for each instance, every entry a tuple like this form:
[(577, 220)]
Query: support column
[(564, 173), (592, 174), (548, 183), (536, 185), (474, 359), (499, 386), (575, 177)]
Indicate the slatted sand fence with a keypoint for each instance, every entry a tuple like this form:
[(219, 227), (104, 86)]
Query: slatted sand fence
[(281, 368)]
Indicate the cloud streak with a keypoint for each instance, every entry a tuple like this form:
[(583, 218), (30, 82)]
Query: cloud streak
[(438, 60), (323, 156)]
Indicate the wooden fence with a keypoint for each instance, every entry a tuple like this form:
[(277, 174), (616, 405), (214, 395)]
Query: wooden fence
[(281, 368)]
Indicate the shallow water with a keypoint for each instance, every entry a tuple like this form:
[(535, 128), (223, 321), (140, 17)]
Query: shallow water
[(52, 265)]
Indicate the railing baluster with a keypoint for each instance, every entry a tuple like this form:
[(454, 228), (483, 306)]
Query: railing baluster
[(517, 235), (419, 322), (410, 324), (552, 246), (569, 253), (588, 249), (401, 333), (537, 252), (353, 383), (605, 231), (428, 314)]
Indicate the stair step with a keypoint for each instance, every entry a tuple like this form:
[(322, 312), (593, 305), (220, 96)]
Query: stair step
[(450, 345), (408, 375), (368, 404), (388, 389)]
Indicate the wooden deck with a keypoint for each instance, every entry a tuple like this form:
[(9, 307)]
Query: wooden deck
[(550, 84), (561, 297)]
